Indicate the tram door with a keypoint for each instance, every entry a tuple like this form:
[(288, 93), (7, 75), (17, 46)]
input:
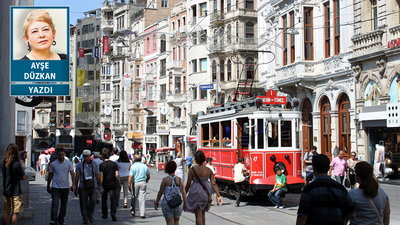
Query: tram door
[(243, 135), (307, 124)]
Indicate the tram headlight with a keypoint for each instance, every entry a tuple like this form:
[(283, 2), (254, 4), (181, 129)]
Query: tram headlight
[(272, 158), (281, 166)]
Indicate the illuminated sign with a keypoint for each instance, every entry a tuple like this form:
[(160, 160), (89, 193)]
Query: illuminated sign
[(271, 98)]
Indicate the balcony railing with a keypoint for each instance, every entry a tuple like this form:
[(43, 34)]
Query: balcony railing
[(174, 64), (120, 127), (39, 126), (365, 43), (215, 16), (107, 24), (177, 98)]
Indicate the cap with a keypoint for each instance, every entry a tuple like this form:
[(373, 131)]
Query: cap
[(96, 155), (86, 152)]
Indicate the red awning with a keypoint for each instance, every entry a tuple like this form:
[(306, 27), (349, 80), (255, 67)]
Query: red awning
[(193, 139), (50, 150)]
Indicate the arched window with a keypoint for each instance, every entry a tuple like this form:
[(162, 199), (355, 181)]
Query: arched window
[(249, 32), (326, 127), (229, 68), (344, 124), (214, 71), (250, 68), (229, 34), (221, 70)]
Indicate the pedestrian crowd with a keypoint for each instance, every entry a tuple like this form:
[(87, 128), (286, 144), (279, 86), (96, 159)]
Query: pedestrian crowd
[(323, 200)]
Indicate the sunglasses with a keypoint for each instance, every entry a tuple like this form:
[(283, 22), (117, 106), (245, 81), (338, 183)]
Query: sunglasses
[(353, 155)]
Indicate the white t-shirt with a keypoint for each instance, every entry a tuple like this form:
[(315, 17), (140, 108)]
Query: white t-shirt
[(212, 168), (238, 172), (114, 158), (42, 159)]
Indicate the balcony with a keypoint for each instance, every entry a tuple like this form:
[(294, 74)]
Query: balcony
[(176, 122), (120, 127), (394, 33), (174, 64), (176, 98), (149, 77), (118, 54), (107, 24), (39, 126), (107, 6), (216, 18), (215, 47), (367, 43)]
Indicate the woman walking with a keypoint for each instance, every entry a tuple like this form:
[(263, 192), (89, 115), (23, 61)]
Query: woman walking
[(170, 186), (198, 183), (124, 165), (179, 163), (352, 163), (371, 202)]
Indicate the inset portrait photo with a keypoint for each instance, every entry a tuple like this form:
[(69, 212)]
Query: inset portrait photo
[(39, 33)]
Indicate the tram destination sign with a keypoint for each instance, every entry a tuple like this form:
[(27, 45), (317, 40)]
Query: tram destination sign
[(270, 98)]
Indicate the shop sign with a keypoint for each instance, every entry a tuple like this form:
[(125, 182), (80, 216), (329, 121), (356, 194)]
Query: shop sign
[(394, 43), (271, 98)]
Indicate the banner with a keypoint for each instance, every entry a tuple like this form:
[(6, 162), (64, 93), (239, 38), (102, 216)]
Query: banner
[(81, 53), (94, 52), (105, 44), (78, 108), (127, 79), (81, 78)]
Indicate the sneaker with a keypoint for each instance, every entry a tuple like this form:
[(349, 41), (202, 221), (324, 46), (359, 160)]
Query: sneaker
[(282, 206), (132, 213), (275, 207)]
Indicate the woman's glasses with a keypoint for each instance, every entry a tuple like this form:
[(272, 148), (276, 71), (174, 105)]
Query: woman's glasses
[(353, 155)]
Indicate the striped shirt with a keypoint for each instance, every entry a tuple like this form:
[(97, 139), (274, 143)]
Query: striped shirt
[(320, 206)]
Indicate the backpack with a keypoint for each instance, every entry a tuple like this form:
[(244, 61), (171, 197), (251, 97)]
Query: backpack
[(176, 200), (76, 160)]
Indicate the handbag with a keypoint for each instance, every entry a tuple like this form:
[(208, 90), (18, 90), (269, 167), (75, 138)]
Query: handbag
[(176, 200), (88, 183), (208, 193), (346, 181)]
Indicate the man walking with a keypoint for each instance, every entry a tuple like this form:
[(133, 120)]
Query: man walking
[(324, 201), (87, 186), (58, 178), (12, 176), (339, 165), (109, 179), (189, 159), (308, 161), (140, 175), (43, 161), (97, 161), (75, 160)]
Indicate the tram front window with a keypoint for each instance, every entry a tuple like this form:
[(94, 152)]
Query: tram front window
[(260, 133), (272, 134)]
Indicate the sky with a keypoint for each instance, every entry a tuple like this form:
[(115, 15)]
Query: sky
[(77, 7)]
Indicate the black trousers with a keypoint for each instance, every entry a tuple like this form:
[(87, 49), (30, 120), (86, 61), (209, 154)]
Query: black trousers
[(239, 190), (113, 198)]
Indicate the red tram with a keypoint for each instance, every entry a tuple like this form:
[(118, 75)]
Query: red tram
[(265, 136)]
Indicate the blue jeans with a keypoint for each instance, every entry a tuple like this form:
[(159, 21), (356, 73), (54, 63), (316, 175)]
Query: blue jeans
[(275, 197), (58, 195)]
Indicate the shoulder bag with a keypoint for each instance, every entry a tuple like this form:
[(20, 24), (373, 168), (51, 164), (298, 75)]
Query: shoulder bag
[(205, 189), (376, 210), (176, 200), (89, 183), (346, 181)]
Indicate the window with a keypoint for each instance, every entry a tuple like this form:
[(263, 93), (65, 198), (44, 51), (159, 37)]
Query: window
[(170, 83), (163, 44), (237, 4), (229, 5), (308, 34), (214, 71), (237, 31), (151, 92), (203, 94), (173, 53), (164, 3), (249, 4), (148, 44), (250, 68), (284, 41), (60, 98), (215, 5), (163, 91), (163, 118), (177, 85), (154, 42), (229, 34), (203, 37), (221, 70), (374, 14), (137, 70), (179, 53), (163, 67), (327, 30), (21, 120), (203, 65), (194, 66), (178, 22), (184, 51), (194, 38), (249, 32), (336, 9), (237, 68), (292, 38), (325, 126), (229, 68), (344, 124), (203, 9), (183, 21), (138, 123), (173, 25)]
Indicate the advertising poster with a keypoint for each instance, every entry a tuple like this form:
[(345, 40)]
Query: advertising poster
[(372, 94), (395, 90), (39, 55)]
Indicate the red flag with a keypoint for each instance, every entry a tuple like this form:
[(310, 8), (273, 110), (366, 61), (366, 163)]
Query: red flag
[(81, 52)]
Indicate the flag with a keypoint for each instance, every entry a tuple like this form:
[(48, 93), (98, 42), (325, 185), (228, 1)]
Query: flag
[(81, 78), (81, 52), (105, 45), (94, 52)]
